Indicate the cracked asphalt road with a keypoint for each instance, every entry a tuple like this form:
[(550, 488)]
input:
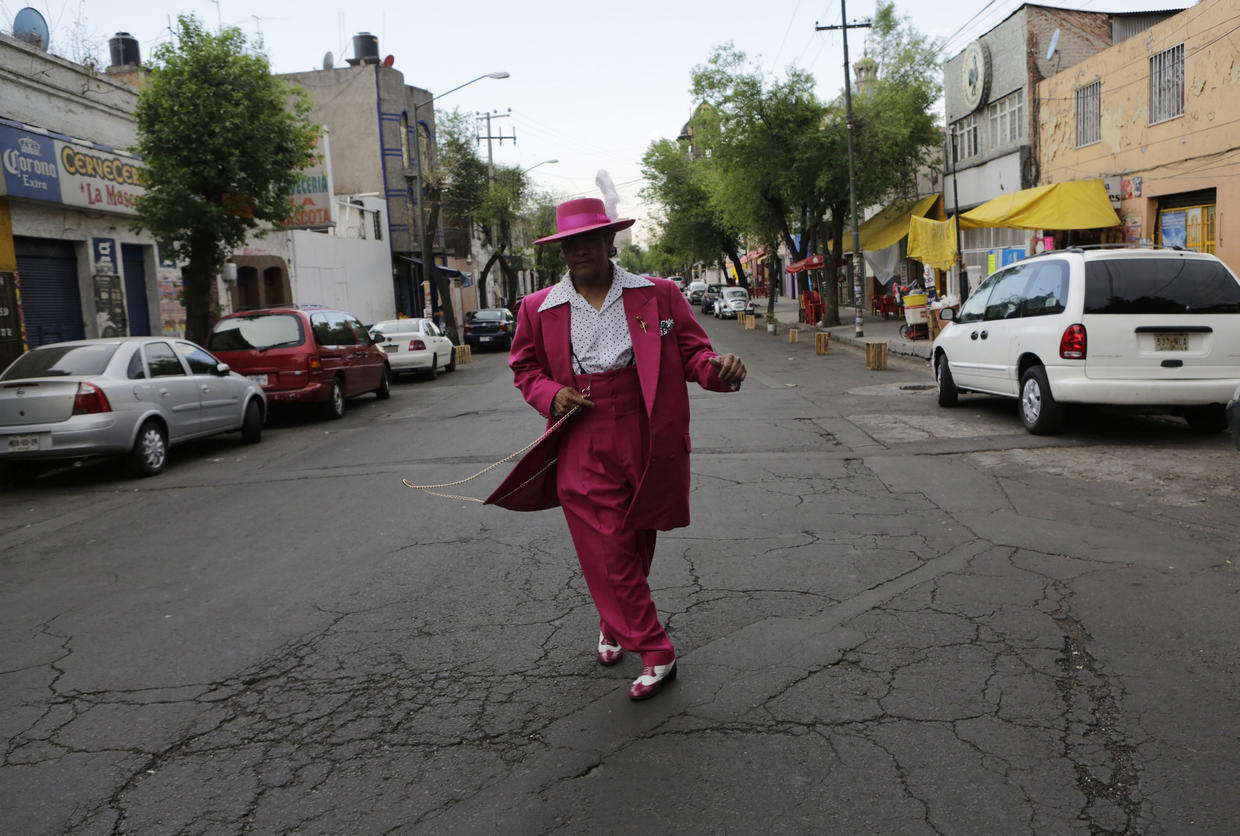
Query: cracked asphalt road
[(892, 618)]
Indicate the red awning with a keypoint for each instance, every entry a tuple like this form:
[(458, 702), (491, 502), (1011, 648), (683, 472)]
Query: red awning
[(814, 262)]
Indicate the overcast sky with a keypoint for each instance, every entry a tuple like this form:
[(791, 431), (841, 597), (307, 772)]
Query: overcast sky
[(590, 88)]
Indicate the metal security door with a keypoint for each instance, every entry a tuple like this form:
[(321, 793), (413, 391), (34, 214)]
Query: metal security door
[(51, 301), (134, 266)]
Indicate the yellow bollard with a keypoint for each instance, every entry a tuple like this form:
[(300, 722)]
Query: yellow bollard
[(792, 335), (822, 342), (876, 356), (463, 354), (749, 322)]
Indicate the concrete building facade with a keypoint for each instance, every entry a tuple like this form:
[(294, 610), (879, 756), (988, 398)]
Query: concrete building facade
[(993, 111), (1156, 118)]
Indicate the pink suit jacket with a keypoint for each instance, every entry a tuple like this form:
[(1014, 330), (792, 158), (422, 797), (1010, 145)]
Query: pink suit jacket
[(541, 361)]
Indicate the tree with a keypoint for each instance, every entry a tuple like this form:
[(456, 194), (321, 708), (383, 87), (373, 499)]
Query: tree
[(223, 142), (549, 261), (779, 154), (501, 207), (691, 223)]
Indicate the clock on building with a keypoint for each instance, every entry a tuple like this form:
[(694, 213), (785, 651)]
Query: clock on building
[(975, 75)]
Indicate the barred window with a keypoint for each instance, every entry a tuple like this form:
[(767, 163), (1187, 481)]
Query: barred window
[(1167, 84), (1089, 114), (1007, 119), (965, 138)]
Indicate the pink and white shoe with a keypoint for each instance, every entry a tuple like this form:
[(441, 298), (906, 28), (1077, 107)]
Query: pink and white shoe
[(609, 653), (651, 681)]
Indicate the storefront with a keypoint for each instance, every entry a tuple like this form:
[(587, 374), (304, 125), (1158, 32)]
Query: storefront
[(80, 271)]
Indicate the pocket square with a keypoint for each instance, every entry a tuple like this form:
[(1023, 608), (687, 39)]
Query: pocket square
[(665, 326)]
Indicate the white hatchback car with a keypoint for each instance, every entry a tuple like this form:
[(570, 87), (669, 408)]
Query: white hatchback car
[(414, 346), (1156, 329)]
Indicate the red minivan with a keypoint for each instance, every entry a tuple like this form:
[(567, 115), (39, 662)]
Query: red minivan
[(303, 354)]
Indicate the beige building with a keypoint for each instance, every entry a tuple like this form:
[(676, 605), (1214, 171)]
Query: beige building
[(1156, 118)]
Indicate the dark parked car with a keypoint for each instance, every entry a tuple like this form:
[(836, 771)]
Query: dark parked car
[(490, 327), (303, 354), (709, 297), (130, 396)]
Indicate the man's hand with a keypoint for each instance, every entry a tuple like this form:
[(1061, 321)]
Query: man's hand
[(566, 399), (729, 368)]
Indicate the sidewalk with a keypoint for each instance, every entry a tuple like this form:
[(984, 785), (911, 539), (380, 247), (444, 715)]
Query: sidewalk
[(876, 328)]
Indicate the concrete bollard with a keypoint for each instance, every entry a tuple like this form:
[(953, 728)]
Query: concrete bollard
[(822, 342), (876, 356)]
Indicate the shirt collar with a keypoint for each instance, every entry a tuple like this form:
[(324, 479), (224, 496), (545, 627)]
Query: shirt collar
[(563, 291)]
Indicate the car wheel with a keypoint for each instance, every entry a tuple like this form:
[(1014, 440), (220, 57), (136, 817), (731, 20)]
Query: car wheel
[(434, 372), (385, 384), (149, 455), (335, 401), (451, 367), (949, 395), (252, 423), (1211, 418), (1038, 410)]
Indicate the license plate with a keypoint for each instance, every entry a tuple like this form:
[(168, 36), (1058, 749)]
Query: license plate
[(260, 379), (23, 443), (391, 349), (1171, 342), (485, 339)]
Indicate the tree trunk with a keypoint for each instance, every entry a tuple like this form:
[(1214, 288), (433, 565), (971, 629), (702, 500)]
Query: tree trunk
[(196, 285), (443, 284), (831, 300), (482, 280)]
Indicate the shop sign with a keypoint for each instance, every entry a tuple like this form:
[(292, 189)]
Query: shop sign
[(58, 171), (104, 250), (312, 195)]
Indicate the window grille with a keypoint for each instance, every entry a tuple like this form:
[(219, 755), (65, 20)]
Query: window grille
[(1089, 114), (1007, 119), (1167, 84)]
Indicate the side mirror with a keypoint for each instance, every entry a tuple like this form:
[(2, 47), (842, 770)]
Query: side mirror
[(947, 314), (223, 369)]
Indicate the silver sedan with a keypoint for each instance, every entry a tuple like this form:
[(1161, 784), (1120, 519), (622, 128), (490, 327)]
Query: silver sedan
[(130, 396)]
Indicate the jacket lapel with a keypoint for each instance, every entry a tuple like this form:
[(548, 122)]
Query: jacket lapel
[(641, 309), (557, 342)]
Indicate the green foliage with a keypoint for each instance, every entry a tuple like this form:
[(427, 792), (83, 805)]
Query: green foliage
[(223, 142), (633, 259), (459, 177), (549, 261)]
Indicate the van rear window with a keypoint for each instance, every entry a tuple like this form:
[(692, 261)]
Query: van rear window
[(1160, 286), (258, 331)]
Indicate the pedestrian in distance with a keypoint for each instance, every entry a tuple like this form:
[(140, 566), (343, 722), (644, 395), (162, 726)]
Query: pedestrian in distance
[(612, 351)]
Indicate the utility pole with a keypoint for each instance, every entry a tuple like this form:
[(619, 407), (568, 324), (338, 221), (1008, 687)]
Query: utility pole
[(854, 264), (490, 159)]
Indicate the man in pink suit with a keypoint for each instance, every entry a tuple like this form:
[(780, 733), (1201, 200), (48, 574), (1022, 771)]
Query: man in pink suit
[(619, 348)]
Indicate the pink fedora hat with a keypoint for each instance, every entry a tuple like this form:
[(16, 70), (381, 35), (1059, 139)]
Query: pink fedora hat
[(585, 214)]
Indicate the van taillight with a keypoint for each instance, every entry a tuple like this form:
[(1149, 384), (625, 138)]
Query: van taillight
[(1072, 343), (314, 363), (90, 400)]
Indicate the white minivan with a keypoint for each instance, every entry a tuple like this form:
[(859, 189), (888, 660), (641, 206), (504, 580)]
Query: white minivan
[(1152, 328)]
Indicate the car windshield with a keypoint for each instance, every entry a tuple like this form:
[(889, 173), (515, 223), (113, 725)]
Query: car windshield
[(736, 293), (1160, 286), (259, 331), (489, 316), (61, 361)]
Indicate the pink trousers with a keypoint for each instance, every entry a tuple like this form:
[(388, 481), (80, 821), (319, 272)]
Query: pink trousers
[(601, 460)]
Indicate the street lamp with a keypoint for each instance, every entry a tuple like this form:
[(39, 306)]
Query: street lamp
[(428, 260), (536, 165)]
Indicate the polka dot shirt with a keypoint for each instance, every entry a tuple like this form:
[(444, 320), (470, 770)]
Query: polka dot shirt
[(601, 339)]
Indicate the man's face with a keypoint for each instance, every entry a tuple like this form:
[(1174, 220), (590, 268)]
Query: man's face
[(587, 255)]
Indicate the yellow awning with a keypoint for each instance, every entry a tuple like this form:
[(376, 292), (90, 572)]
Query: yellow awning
[(933, 242), (1077, 204), (891, 224)]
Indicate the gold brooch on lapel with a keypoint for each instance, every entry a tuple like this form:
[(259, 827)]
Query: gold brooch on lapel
[(641, 324)]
